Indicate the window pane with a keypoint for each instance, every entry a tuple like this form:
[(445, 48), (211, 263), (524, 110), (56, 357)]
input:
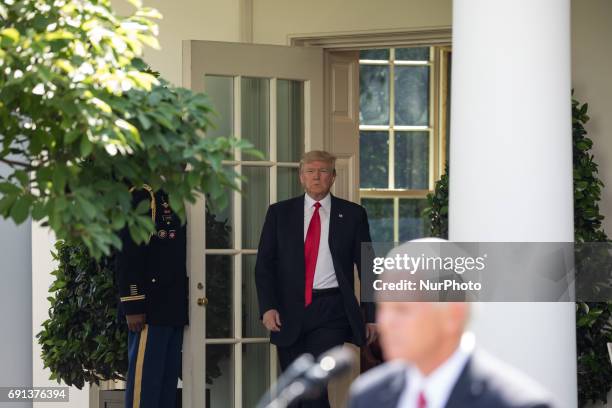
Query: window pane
[(220, 90), (412, 54), (255, 201), (219, 311), (220, 224), (290, 120), (412, 160), (380, 54), (219, 375), (374, 95), (256, 114), (380, 217), (411, 96), (288, 183), (255, 372), (374, 159), (411, 224), (251, 325)]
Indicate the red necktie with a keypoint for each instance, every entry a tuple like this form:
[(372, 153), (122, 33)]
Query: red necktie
[(311, 251), (421, 403)]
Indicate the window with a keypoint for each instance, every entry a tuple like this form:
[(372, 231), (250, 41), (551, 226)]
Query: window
[(403, 120)]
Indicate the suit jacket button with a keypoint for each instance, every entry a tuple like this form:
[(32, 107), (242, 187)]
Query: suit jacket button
[(153, 280)]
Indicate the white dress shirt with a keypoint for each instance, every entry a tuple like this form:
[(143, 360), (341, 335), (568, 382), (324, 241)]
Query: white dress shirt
[(439, 384), (325, 275)]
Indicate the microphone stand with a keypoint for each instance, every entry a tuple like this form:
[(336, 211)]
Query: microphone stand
[(311, 381)]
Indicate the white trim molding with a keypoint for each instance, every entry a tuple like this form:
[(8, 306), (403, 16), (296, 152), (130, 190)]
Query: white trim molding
[(374, 38)]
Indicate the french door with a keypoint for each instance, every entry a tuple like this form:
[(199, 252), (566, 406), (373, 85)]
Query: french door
[(271, 96)]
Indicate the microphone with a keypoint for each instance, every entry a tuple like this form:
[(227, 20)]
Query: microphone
[(333, 363), (296, 370)]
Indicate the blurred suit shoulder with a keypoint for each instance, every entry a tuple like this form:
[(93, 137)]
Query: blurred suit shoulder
[(484, 382), (487, 381)]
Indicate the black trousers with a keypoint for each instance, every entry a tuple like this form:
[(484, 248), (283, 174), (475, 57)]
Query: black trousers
[(325, 326)]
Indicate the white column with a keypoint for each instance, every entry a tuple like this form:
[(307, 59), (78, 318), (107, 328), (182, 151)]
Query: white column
[(43, 241), (511, 165)]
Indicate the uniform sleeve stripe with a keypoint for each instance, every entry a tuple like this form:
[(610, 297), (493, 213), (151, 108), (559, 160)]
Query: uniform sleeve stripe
[(130, 298)]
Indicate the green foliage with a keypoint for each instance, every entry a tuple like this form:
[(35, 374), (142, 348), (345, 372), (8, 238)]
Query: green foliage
[(587, 186), (82, 122), (593, 332), (82, 341), (437, 211), (593, 328)]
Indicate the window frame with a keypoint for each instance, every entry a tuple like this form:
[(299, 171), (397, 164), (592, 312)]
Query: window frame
[(439, 59)]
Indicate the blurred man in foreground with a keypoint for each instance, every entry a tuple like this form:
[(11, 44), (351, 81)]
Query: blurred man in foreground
[(433, 364)]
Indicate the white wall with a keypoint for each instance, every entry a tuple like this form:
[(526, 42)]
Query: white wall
[(274, 20), (214, 20), (15, 305)]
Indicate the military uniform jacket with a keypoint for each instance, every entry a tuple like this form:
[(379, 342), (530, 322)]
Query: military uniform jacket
[(152, 278)]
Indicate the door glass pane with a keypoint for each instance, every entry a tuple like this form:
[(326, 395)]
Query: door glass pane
[(373, 95), (412, 54), (377, 54), (412, 96), (256, 114), (412, 160), (255, 201), (220, 224), (412, 224), (288, 183), (219, 291), (255, 372), (374, 159), (220, 90), (219, 376), (380, 217), (290, 120), (251, 324)]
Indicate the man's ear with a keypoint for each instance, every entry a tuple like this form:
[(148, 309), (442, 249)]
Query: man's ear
[(455, 316)]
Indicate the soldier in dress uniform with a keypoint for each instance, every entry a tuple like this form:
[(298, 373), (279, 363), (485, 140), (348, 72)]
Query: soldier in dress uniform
[(152, 280)]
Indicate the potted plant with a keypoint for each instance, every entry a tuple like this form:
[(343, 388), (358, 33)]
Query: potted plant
[(83, 341)]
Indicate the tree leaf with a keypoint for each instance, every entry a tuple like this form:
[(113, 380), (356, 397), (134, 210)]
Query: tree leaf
[(21, 208), (86, 146), (11, 34)]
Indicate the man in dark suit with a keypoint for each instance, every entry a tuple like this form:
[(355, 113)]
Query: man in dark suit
[(304, 272), (432, 364)]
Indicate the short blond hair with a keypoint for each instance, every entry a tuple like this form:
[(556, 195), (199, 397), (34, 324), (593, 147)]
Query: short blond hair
[(318, 155)]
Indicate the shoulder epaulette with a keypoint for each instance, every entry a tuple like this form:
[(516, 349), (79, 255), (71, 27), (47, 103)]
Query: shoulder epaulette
[(153, 203)]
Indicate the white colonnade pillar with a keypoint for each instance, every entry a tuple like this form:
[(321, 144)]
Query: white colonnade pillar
[(511, 165)]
